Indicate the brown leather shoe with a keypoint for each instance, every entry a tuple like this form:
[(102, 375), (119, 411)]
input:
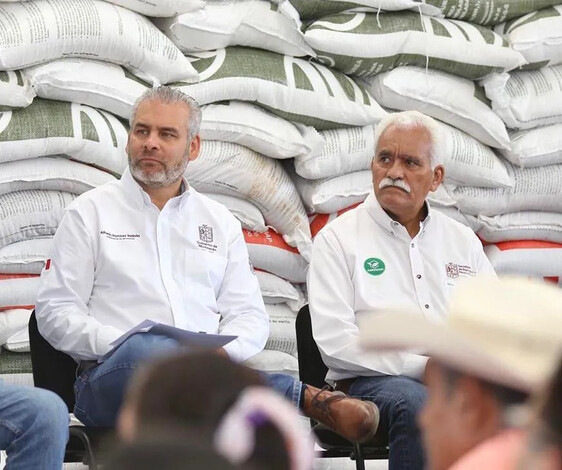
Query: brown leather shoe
[(354, 419)]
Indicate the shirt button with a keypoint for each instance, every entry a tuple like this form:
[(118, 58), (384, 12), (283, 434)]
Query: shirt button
[(419, 276), (426, 305), (412, 245)]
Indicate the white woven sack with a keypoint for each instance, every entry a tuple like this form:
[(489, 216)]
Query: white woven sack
[(269, 252), (12, 321), (282, 333), (31, 214), (247, 213), (50, 173), (43, 30), (25, 257), (489, 12), (274, 362), (467, 161), (329, 195), (537, 36), (227, 168), (525, 100), (98, 84), (276, 290), (292, 88), (254, 127), (470, 163), (15, 91), (526, 225), (535, 147), (18, 293), (57, 128), (343, 151), (528, 258), (535, 189), (160, 8), (251, 23), (454, 100), (365, 44)]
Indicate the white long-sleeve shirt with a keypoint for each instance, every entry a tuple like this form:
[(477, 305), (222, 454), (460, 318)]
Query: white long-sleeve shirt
[(363, 262), (118, 260)]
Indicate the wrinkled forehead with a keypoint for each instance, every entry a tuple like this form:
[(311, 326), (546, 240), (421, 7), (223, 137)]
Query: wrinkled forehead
[(412, 139)]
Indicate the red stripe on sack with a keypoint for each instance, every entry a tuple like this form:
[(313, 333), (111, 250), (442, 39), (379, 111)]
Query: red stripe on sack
[(14, 307), (16, 276), (526, 244), (48, 264), (319, 221), (269, 238), (553, 279)]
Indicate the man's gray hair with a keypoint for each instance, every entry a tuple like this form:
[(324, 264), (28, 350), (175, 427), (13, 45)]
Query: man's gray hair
[(168, 95), (411, 120)]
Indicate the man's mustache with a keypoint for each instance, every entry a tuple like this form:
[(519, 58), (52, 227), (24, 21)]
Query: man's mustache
[(401, 184)]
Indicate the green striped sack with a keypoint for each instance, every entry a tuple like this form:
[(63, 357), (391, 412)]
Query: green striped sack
[(365, 44), (292, 88), (537, 36), (56, 128), (15, 91)]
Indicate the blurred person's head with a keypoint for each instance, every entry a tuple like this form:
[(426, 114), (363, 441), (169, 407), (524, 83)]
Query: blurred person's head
[(544, 450), (210, 393), (499, 343), (462, 411), (172, 449)]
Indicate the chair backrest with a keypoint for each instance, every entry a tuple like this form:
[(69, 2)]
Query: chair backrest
[(312, 369), (52, 369)]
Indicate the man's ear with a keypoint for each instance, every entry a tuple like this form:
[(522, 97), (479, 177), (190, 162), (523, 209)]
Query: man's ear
[(438, 175), (194, 148)]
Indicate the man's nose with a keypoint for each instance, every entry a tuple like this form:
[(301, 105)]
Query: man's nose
[(152, 142), (395, 171)]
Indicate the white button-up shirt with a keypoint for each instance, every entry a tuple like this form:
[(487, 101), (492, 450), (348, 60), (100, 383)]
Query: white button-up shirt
[(117, 260), (364, 261)]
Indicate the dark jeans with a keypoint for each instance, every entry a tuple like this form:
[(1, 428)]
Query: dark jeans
[(100, 390), (400, 400)]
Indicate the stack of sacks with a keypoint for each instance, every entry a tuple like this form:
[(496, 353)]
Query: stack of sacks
[(261, 104), (524, 225), (407, 60), (53, 147)]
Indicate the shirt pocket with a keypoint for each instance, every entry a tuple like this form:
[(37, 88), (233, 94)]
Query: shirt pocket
[(205, 269)]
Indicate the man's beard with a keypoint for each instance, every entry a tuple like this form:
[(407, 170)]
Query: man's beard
[(158, 179)]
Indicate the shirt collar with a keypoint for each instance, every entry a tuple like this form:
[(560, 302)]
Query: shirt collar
[(141, 198), (392, 227)]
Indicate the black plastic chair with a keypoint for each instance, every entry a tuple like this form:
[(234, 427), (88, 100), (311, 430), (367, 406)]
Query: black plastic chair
[(312, 371), (56, 371)]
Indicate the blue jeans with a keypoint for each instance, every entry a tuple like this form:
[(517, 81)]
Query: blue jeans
[(100, 390), (399, 400), (33, 428)]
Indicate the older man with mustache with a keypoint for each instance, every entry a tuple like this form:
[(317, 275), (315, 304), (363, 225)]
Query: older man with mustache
[(393, 251)]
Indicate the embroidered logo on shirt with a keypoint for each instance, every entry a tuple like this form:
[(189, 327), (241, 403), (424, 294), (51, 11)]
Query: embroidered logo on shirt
[(206, 234), (374, 266), (455, 270), (206, 239), (452, 270)]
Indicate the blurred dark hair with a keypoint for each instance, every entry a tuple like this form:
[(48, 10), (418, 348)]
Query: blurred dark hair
[(173, 449), (195, 391)]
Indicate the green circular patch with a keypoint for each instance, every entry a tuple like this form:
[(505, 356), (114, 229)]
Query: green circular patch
[(374, 266)]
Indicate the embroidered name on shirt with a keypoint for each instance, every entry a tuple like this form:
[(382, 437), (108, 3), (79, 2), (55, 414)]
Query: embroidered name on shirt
[(206, 239), (120, 236)]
